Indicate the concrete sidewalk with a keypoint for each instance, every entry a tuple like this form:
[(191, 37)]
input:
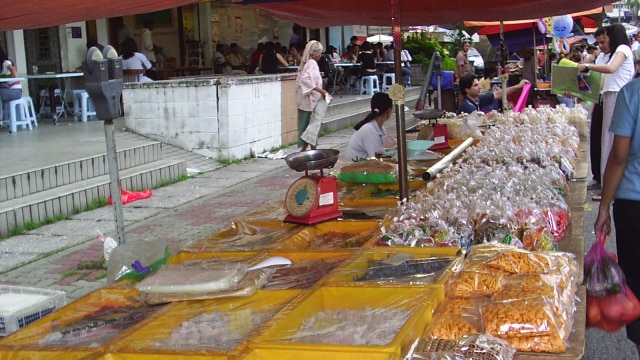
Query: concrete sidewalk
[(53, 256)]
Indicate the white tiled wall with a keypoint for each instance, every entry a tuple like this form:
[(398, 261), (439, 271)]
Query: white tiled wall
[(230, 116)]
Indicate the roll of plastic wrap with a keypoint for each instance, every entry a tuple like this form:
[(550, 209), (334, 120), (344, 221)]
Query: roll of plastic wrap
[(445, 161)]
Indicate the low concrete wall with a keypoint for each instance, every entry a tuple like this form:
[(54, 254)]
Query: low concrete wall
[(226, 117)]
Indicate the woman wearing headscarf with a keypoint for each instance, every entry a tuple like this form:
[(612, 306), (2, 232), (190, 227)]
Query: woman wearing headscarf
[(369, 132), (309, 89)]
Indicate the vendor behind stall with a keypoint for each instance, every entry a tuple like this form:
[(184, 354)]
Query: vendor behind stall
[(473, 100), (369, 133)]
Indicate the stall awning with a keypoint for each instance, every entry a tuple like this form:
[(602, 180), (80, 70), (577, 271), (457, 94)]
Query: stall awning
[(33, 14), (589, 20), (322, 13)]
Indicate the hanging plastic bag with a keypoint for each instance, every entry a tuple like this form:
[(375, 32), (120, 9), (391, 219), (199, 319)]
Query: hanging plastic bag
[(131, 196), (602, 274), (610, 312)]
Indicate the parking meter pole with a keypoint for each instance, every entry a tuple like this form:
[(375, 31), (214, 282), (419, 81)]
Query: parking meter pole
[(114, 180), (103, 81)]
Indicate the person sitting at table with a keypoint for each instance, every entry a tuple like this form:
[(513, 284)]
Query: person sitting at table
[(352, 55), (8, 90), (255, 58), (473, 100), (379, 53), (293, 57), (270, 60), (369, 132), (368, 63), (406, 71), (235, 60), (132, 59), (219, 60), (489, 73)]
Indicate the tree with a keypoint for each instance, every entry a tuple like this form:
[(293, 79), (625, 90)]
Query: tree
[(633, 5)]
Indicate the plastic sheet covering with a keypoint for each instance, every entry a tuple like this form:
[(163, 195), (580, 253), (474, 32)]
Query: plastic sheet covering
[(82, 327), (402, 267), (330, 320), (340, 234), (193, 277), (213, 328), (245, 235), (136, 260), (306, 270), (449, 326)]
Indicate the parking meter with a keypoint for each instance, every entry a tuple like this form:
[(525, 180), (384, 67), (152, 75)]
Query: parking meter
[(437, 69), (103, 81)]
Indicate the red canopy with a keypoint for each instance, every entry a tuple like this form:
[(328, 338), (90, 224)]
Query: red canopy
[(322, 13), (33, 14)]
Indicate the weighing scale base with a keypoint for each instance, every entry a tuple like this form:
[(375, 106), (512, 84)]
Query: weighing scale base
[(313, 219)]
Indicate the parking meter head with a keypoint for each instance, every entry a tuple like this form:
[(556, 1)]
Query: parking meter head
[(109, 52), (103, 81)]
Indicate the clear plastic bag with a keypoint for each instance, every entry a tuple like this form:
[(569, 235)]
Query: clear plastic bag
[(452, 326), (137, 260), (483, 347), (193, 279), (473, 283)]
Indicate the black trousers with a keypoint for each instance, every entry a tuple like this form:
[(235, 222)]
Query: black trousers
[(595, 141), (626, 214)]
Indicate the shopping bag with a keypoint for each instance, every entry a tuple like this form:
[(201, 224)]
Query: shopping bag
[(618, 306), (310, 135)]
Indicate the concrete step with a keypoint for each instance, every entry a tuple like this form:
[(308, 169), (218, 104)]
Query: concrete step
[(349, 113), (68, 199), (30, 182)]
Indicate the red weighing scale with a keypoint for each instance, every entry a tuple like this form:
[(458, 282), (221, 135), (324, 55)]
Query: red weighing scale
[(313, 198)]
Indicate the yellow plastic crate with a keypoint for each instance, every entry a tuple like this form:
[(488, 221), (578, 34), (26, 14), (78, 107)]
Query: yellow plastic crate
[(347, 274), (245, 236), (241, 312), (27, 339), (274, 342), (307, 268), (335, 235)]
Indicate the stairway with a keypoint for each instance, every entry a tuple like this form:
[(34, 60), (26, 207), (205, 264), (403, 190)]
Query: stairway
[(33, 196)]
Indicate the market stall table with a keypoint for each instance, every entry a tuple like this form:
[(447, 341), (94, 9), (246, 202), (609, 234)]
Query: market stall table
[(60, 79)]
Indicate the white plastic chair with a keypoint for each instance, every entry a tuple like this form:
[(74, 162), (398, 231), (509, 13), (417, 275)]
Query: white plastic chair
[(18, 115), (82, 106)]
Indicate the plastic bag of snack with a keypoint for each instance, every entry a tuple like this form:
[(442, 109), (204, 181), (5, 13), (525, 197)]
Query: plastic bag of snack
[(452, 326), (483, 347), (521, 318), (523, 262), (453, 305), (473, 283)]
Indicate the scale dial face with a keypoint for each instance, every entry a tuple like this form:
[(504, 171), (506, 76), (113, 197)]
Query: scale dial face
[(301, 197)]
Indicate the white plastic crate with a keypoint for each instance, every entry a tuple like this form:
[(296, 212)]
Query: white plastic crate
[(20, 306)]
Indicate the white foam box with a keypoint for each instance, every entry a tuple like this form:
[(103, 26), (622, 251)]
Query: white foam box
[(20, 306)]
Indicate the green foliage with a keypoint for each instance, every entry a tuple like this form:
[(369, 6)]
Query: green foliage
[(457, 40), (422, 46)]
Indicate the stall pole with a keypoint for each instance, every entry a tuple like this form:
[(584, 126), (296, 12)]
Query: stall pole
[(114, 180), (504, 54), (397, 94)]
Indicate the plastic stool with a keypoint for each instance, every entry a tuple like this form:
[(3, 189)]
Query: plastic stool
[(31, 110), (369, 85), (355, 89), (83, 106), (388, 79), (18, 115), (58, 102)]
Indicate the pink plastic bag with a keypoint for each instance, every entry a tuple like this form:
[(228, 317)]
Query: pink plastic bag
[(522, 101), (131, 196)]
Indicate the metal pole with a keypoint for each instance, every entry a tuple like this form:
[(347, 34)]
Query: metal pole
[(114, 184), (403, 180), (504, 52)]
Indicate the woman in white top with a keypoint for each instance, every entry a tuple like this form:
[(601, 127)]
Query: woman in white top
[(134, 60), (8, 90), (617, 72), (369, 132), (308, 88)]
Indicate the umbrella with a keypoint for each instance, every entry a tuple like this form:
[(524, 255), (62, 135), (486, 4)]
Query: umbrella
[(385, 39)]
